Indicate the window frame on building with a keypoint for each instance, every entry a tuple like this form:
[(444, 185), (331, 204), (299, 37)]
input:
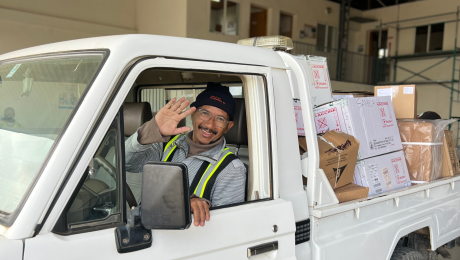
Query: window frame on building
[(225, 10), (326, 47), (428, 38)]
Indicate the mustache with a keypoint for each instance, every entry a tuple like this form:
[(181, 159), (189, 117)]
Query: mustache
[(207, 130)]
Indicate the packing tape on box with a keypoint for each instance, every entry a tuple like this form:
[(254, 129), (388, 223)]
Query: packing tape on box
[(338, 161), (421, 143)]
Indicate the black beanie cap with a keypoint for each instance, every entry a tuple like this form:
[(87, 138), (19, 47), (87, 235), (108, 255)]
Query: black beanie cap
[(218, 96)]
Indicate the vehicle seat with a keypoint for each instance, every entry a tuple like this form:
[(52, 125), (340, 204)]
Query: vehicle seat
[(134, 116), (238, 136)]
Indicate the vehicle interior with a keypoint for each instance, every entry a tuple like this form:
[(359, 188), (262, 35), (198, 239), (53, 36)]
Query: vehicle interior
[(155, 88)]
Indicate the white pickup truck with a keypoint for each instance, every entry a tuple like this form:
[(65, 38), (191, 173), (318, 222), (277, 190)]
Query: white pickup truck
[(64, 192)]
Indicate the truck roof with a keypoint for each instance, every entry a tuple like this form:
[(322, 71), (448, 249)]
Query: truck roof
[(134, 45)]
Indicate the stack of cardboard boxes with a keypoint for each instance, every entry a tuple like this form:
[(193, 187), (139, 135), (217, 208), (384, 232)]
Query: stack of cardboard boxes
[(359, 138), (381, 165)]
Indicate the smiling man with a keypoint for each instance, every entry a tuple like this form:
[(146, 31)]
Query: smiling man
[(216, 176)]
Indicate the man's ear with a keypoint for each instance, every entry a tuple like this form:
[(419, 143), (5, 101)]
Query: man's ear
[(230, 125)]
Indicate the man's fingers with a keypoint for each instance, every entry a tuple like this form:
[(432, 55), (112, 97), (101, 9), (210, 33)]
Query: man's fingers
[(181, 130), (196, 215), (208, 216), (177, 104), (170, 103), (188, 112), (202, 212), (184, 105)]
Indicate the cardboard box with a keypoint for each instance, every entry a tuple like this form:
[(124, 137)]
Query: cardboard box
[(338, 154), (318, 78), (382, 173), (422, 148), (351, 192), (404, 98), (371, 120), (336, 95), (450, 164)]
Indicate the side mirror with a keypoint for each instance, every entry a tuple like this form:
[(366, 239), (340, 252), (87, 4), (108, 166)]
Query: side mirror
[(165, 196)]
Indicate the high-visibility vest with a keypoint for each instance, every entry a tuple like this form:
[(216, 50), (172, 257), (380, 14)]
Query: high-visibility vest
[(207, 173)]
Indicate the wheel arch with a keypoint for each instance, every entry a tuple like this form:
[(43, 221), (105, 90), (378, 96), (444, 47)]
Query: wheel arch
[(427, 222)]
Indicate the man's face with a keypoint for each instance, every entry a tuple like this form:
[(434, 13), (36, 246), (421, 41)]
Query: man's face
[(205, 132)]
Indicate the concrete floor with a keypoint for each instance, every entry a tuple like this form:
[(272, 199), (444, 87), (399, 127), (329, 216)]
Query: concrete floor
[(454, 252)]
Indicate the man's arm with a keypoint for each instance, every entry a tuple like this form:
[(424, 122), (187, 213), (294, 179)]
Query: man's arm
[(147, 143), (137, 154)]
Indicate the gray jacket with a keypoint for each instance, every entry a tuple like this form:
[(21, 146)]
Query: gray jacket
[(229, 187)]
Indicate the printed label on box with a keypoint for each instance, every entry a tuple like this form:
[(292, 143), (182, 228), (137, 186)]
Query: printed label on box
[(328, 120), (387, 178), (299, 118), (398, 167), (385, 114), (382, 92), (320, 77), (408, 90), (375, 178)]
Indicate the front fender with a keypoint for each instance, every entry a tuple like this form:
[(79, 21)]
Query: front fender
[(11, 249)]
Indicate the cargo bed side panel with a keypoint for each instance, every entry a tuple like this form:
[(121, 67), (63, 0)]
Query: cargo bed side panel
[(372, 231)]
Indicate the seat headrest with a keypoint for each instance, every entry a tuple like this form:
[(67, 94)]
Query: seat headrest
[(238, 134), (135, 115)]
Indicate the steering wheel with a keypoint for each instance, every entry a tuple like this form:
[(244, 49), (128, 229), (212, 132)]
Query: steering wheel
[(112, 172)]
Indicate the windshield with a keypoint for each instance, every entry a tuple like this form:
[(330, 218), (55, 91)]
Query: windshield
[(37, 97)]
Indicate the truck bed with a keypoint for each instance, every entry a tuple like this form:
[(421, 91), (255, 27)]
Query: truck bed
[(385, 218)]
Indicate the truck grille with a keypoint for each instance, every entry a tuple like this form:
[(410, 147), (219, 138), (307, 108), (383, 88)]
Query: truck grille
[(302, 231)]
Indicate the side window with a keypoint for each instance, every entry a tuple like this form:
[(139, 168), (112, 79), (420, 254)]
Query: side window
[(98, 198), (248, 138)]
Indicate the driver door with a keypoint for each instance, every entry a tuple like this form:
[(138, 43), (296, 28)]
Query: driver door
[(232, 230)]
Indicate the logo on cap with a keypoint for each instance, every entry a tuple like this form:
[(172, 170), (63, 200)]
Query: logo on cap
[(217, 99)]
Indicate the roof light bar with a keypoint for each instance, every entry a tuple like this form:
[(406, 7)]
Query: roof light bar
[(269, 42)]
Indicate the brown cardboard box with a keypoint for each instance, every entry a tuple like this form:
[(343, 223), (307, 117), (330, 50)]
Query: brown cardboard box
[(329, 157), (403, 97), (302, 145), (450, 165), (351, 192), (424, 161)]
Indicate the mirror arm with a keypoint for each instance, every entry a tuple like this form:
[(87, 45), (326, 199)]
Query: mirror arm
[(133, 236)]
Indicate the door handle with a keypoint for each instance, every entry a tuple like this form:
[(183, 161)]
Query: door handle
[(263, 248)]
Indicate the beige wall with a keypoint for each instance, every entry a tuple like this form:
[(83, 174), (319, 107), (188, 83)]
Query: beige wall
[(309, 12), (406, 11), (30, 23), (162, 17)]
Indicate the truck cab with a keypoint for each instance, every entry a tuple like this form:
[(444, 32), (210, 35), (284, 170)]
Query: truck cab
[(64, 190)]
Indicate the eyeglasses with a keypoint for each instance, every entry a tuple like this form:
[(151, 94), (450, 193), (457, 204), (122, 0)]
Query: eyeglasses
[(205, 115)]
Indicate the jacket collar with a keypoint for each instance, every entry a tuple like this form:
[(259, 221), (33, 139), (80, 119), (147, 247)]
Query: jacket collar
[(212, 155)]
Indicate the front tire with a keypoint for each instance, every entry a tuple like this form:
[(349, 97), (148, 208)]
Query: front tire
[(405, 253)]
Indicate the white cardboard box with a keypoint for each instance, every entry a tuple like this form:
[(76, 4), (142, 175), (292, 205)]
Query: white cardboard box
[(318, 78), (382, 173), (299, 118), (370, 119)]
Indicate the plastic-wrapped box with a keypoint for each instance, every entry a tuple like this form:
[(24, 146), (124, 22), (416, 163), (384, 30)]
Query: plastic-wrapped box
[(422, 145)]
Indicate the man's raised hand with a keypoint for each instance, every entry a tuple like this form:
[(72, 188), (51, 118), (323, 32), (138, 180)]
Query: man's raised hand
[(171, 114)]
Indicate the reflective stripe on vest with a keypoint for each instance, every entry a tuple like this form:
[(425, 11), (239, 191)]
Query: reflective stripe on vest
[(208, 173), (205, 174), (169, 149)]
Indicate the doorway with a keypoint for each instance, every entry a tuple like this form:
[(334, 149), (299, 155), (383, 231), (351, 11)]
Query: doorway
[(285, 25), (379, 66), (258, 25)]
